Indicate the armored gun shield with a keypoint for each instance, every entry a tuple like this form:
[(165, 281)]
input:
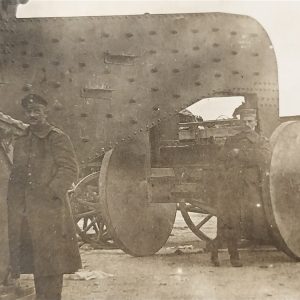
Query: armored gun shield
[(110, 78)]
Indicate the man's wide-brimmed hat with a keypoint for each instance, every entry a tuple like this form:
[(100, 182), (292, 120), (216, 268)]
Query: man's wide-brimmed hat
[(33, 99)]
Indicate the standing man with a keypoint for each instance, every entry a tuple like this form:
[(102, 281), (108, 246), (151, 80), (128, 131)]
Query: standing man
[(42, 236), (245, 157)]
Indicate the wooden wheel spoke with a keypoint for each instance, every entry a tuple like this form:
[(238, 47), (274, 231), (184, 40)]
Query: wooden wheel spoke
[(102, 231), (194, 209), (101, 227), (94, 205), (86, 214), (202, 207), (96, 227), (92, 224), (186, 209), (205, 220), (85, 203)]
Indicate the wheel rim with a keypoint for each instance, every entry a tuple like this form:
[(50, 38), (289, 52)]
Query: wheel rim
[(282, 202), (89, 223), (137, 225), (197, 218)]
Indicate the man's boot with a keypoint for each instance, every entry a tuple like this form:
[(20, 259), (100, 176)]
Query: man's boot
[(234, 254), (19, 290), (236, 262), (214, 254)]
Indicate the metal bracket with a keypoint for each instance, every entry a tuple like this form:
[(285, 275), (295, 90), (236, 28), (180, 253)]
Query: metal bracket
[(97, 93), (160, 185), (119, 59)]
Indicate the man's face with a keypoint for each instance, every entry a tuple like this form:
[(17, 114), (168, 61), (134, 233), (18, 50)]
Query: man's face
[(250, 122), (36, 114)]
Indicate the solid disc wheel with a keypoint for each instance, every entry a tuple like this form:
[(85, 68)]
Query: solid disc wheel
[(201, 221), (85, 205), (138, 226), (5, 168), (283, 205)]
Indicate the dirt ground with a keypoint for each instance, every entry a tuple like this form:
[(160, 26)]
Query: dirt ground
[(182, 270)]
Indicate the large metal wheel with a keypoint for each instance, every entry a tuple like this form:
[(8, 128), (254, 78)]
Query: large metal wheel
[(89, 223), (282, 205), (5, 168), (138, 226), (199, 219)]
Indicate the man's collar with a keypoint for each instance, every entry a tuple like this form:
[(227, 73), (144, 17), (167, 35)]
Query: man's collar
[(42, 131)]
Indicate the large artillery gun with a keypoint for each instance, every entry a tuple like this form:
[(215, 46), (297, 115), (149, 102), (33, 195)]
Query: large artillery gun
[(117, 84)]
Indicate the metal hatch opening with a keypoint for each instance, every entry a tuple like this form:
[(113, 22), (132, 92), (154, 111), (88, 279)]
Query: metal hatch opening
[(216, 108), (210, 118), (203, 127)]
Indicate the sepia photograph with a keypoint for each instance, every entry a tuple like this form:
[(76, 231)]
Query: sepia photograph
[(149, 150)]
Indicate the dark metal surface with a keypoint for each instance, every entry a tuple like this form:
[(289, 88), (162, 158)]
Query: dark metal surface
[(4, 175), (283, 206), (138, 226), (108, 78)]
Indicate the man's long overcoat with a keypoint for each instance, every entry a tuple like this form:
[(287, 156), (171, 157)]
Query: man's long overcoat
[(241, 183), (42, 235)]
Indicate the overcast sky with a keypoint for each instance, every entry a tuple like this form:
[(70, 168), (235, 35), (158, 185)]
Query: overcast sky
[(281, 19)]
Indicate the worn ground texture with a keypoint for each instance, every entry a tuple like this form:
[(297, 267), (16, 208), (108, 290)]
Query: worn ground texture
[(182, 270)]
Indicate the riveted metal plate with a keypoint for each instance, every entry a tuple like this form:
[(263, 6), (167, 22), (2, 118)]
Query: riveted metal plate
[(164, 61)]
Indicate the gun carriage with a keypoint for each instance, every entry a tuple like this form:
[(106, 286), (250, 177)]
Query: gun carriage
[(117, 85)]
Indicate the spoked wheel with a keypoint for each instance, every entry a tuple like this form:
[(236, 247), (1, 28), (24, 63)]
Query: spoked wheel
[(201, 219), (89, 223)]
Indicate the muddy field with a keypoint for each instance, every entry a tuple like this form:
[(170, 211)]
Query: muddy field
[(182, 270)]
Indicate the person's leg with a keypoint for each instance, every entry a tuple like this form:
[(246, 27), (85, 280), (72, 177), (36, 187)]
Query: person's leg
[(232, 235), (258, 223), (48, 287), (232, 243), (14, 235), (217, 242), (247, 211), (214, 252), (20, 245)]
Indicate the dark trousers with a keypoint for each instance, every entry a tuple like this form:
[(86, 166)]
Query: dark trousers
[(229, 215), (232, 245), (48, 287), (228, 232)]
